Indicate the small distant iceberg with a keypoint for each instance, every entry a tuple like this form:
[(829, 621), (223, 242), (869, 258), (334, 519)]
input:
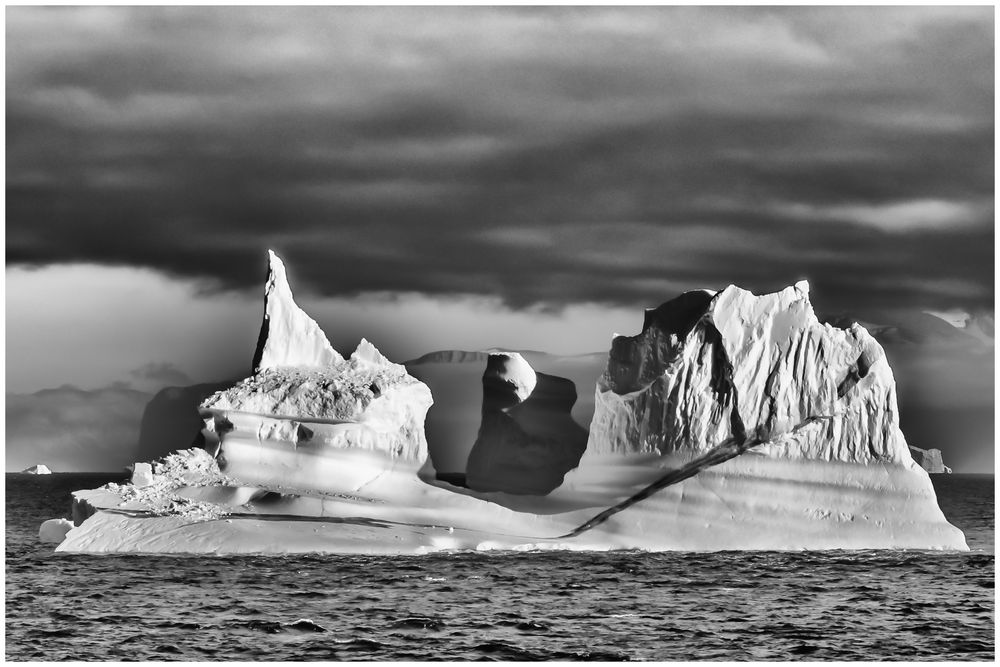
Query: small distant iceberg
[(39, 469)]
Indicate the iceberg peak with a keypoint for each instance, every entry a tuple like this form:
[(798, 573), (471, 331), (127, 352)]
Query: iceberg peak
[(288, 337), (367, 352), (511, 371)]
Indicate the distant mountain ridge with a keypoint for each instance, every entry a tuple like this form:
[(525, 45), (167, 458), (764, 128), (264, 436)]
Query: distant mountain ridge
[(922, 328)]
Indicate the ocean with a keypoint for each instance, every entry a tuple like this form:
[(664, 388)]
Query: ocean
[(826, 605)]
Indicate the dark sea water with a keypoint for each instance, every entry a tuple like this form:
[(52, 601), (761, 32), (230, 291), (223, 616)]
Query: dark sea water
[(833, 605)]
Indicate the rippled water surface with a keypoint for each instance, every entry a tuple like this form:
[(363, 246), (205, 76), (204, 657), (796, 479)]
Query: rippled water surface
[(886, 605)]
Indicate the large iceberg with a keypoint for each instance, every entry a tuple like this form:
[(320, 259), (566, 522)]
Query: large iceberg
[(788, 428), (731, 421)]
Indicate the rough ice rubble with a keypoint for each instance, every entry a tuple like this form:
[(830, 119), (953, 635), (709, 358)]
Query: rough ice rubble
[(333, 428), (158, 494), (343, 467)]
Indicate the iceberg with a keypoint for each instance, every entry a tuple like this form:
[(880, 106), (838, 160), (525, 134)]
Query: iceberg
[(789, 429), (527, 438), (930, 460), (38, 469), (456, 380), (142, 474), (731, 421), (54, 530)]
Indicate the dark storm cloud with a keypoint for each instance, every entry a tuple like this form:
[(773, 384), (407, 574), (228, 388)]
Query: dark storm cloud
[(544, 155)]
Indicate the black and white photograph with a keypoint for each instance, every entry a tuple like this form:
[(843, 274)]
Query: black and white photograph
[(499, 333)]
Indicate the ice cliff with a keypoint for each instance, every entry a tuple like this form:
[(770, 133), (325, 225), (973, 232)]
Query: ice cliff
[(789, 428), (708, 367), (731, 421)]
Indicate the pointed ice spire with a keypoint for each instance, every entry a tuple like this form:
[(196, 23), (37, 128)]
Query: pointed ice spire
[(368, 353), (288, 337)]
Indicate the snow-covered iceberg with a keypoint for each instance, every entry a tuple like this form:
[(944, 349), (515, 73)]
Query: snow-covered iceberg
[(310, 419), (458, 381), (730, 422), (789, 426), (37, 469)]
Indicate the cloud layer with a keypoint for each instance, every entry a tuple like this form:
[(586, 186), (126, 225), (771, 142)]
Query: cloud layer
[(545, 156)]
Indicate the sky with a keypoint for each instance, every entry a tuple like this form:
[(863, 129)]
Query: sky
[(456, 177)]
